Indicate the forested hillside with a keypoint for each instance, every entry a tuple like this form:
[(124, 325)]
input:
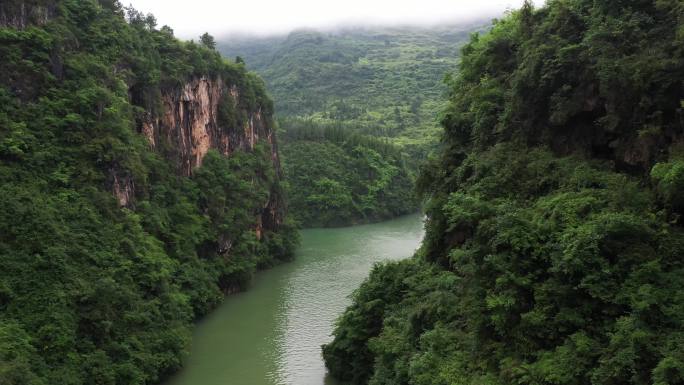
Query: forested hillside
[(140, 181), (383, 81), (338, 177), (554, 245), (377, 82)]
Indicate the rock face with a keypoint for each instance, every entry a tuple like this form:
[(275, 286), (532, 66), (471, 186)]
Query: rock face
[(188, 126), (22, 13)]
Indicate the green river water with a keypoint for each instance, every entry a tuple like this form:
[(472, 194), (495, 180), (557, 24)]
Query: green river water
[(272, 333)]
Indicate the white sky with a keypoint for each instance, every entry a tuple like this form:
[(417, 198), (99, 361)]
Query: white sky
[(262, 17)]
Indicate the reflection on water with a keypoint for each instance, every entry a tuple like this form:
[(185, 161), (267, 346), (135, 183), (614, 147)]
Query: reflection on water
[(272, 334)]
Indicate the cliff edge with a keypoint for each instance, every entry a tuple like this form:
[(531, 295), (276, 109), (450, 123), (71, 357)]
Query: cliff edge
[(140, 183)]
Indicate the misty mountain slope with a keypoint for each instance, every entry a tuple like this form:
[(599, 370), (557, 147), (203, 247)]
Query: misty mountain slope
[(384, 81)]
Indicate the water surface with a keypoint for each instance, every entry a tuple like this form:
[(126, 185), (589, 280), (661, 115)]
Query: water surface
[(272, 333)]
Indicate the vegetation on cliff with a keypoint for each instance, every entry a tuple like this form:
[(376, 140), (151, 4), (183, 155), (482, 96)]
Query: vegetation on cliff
[(107, 252), (554, 243)]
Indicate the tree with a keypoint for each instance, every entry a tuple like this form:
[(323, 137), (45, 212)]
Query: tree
[(150, 21), (208, 41), (167, 30)]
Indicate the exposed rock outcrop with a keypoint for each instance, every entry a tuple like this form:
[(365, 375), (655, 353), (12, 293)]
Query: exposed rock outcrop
[(188, 126), (122, 188), (22, 13)]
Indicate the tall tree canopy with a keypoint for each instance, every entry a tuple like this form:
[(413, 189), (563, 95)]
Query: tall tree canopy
[(554, 251)]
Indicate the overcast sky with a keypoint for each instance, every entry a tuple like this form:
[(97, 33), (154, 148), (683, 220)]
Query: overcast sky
[(263, 17)]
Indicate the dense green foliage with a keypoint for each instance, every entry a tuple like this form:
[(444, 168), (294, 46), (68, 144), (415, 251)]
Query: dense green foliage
[(92, 292), (554, 244), (337, 177), (378, 81)]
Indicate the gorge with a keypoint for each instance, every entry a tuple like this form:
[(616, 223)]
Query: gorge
[(145, 180), (272, 333)]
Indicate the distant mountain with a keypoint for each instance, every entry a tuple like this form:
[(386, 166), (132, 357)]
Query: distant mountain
[(385, 81)]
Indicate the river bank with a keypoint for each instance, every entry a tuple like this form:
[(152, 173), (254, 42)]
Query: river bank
[(272, 333)]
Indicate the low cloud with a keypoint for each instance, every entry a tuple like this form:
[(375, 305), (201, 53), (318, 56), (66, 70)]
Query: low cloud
[(268, 17)]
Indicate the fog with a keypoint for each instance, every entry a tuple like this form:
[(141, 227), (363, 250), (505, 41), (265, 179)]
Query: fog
[(267, 17)]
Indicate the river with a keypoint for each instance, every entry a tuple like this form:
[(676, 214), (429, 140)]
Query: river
[(272, 333)]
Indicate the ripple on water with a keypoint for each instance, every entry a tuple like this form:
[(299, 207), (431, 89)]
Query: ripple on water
[(272, 334)]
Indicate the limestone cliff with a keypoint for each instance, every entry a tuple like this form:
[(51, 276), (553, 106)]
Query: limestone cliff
[(188, 125), (136, 176), (22, 13)]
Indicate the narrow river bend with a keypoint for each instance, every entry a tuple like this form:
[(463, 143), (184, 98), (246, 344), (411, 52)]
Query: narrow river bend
[(272, 333)]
